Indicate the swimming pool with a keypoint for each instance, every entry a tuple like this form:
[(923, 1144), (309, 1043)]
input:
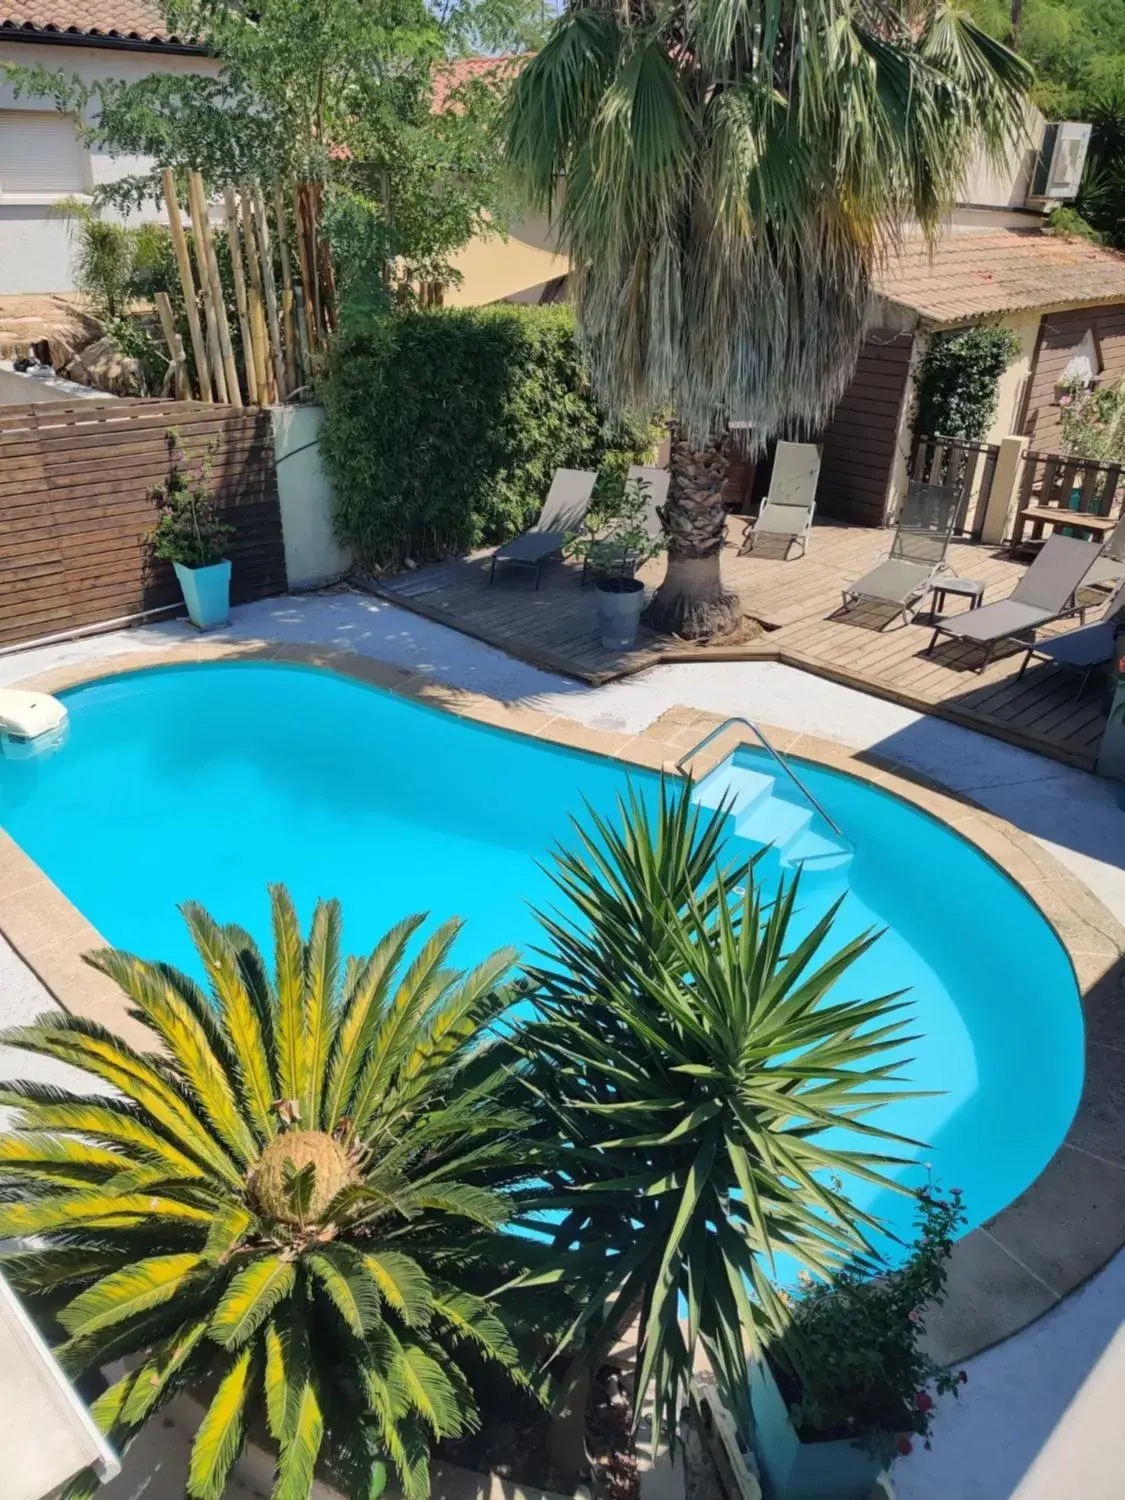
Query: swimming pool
[(207, 782)]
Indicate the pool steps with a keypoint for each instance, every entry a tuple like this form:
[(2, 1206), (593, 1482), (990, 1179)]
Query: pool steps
[(763, 817)]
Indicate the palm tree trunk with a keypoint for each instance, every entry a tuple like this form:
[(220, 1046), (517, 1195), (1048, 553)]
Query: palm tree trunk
[(1017, 24), (691, 601)]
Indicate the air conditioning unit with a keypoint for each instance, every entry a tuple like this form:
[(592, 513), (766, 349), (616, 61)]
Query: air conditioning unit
[(1062, 160)]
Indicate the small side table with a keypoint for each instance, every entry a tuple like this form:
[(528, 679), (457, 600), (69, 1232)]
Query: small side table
[(967, 588)]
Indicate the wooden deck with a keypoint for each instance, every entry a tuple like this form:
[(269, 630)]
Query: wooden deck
[(799, 604)]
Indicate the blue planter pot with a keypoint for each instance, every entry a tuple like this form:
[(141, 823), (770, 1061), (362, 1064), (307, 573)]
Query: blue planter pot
[(793, 1470), (206, 593)]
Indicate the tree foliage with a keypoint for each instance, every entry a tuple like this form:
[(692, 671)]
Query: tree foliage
[(693, 1047), (1078, 50), (958, 380), (732, 173), (444, 428), (292, 1204), (338, 92)]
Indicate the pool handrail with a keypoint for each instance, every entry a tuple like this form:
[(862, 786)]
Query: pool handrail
[(772, 750)]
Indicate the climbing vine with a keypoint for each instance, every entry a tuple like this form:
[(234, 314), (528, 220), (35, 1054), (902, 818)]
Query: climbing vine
[(957, 381)]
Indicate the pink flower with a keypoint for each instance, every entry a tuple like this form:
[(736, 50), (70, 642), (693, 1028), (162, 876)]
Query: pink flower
[(1065, 400), (924, 1401), (905, 1446), (914, 1315), (956, 1192), (963, 1377)]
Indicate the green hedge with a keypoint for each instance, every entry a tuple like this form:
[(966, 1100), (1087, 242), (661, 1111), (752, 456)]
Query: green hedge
[(443, 428)]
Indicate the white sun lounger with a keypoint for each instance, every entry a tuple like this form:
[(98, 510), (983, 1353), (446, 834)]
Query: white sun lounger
[(788, 509)]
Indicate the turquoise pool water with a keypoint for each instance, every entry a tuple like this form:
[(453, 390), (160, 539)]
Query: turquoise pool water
[(207, 782)]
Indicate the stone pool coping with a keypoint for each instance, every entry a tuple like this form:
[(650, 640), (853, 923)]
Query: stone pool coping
[(1003, 1275)]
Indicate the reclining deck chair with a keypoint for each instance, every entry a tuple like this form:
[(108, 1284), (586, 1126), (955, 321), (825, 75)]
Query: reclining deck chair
[(563, 513), (917, 556), (1044, 593), (788, 509)]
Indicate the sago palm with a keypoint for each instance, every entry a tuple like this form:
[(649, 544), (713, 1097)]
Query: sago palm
[(691, 1050), (290, 1203), (733, 171)]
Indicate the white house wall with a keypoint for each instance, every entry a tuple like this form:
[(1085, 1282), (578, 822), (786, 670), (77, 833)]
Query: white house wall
[(35, 250)]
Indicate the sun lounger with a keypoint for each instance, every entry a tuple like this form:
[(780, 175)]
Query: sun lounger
[(1082, 651), (787, 511), (610, 558), (1044, 593), (563, 514), (1110, 564), (917, 554)]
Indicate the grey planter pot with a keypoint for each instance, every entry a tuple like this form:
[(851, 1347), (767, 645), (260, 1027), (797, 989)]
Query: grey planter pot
[(620, 601)]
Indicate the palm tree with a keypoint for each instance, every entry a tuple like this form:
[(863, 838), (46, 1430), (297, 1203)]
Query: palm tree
[(734, 169), (689, 1053), (292, 1204)]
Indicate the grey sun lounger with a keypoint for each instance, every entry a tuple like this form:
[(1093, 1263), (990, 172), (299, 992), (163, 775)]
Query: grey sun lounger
[(1044, 593), (563, 514), (611, 559), (1110, 564), (788, 509), (917, 556), (1081, 651)]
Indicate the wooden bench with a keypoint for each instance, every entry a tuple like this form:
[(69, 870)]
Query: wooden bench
[(1056, 515)]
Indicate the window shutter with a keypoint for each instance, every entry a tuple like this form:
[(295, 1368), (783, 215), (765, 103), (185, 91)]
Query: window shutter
[(41, 153)]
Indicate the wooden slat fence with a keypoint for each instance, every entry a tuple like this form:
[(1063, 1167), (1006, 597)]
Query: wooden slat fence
[(75, 508), (1071, 489), (969, 467)]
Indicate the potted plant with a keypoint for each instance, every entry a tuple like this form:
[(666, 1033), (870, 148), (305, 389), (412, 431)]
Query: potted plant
[(623, 534), (848, 1388), (191, 536)]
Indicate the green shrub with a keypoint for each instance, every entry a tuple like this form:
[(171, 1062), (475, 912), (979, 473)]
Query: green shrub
[(444, 427), (858, 1341), (957, 381)]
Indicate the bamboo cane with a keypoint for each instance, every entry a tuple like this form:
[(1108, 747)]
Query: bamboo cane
[(248, 351), (254, 260), (291, 380), (301, 319), (324, 264), (187, 283), (214, 353), (175, 346), (308, 301), (226, 348), (254, 296), (263, 226)]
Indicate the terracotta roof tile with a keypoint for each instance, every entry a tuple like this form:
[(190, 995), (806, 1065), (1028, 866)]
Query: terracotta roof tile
[(451, 76), (977, 273), (132, 20)]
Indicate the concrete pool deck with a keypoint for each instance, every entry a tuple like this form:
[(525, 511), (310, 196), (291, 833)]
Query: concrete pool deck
[(1046, 816)]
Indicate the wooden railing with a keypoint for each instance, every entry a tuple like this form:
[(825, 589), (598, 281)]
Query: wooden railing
[(968, 467), (1083, 495)]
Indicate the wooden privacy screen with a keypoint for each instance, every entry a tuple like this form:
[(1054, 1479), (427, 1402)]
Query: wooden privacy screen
[(75, 508), (861, 440)]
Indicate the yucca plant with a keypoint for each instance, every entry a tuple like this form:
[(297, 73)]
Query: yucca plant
[(290, 1203), (689, 1052), (725, 175)]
